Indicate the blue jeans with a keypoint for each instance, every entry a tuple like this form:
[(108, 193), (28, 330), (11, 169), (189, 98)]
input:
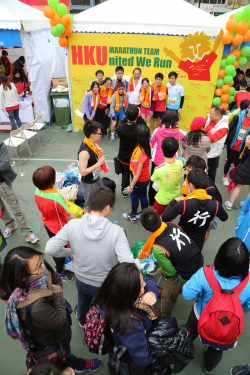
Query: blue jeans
[(123, 368), (74, 362), (85, 294), (139, 192), (14, 115)]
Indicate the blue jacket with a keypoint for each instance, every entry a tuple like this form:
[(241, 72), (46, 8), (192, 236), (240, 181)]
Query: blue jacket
[(198, 287), (135, 341), (86, 106), (243, 224), (240, 122)]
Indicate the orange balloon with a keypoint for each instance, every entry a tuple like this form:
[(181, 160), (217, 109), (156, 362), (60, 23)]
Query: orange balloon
[(242, 27), (246, 36), (231, 84), (222, 73), (227, 38), (62, 35), (224, 97), (231, 25), (237, 39), (63, 42), (225, 89), (52, 22), (67, 31), (225, 106), (236, 64), (218, 92), (57, 19), (232, 16), (49, 12), (66, 21), (236, 53)]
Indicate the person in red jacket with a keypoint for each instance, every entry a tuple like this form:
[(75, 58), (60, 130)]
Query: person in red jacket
[(19, 82), (6, 62)]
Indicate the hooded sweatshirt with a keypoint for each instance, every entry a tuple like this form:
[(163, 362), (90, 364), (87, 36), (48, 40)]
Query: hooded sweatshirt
[(159, 135), (95, 245), (125, 132)]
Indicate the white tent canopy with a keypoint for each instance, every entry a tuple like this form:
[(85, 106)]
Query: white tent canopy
[(14, 15), (225, 17), (168, 17)]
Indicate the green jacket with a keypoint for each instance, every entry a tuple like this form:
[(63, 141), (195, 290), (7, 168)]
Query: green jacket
[(2, 68), (163, 260)]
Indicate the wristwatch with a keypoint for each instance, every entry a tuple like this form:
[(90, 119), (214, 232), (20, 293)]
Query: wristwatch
[(131, 187)]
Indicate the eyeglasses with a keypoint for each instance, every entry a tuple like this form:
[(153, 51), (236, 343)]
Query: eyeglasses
[(98, 133), (39, 268)]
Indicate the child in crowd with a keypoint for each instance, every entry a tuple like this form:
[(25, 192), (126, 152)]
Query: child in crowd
[(125, 131), (168, 175), (147, 104), (106, 92), (240, 95), (99, 77), (177, 255), (91, 159), (119, 104), (139, 165), (197, 209), (175, 93), (91, 101), (168, 128), (118, 78), (160, 98)]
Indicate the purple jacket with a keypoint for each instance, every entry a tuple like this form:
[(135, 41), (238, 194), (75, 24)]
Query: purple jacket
[(86, 106)]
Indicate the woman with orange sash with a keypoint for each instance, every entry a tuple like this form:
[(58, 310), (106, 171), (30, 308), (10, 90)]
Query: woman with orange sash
[(91, 101), (106, 92), (147, 104), (139, 165)]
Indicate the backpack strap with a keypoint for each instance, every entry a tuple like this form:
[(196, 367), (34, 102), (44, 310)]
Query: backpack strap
[(239, 288), (211, 279), (217, 207)]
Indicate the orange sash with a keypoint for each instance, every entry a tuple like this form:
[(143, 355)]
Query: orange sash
[(95, 148), (145, 98), (106, 95), (184, 187), (117, 102), (159, 95), (199, 194), (94, 102), (147, 248), (135, 157), (132, 84)]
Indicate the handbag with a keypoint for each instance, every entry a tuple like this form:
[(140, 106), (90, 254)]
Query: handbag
[(78, 112), (41, 355)]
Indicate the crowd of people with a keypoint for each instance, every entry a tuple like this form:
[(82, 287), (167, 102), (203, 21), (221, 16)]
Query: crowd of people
[(37, 313)]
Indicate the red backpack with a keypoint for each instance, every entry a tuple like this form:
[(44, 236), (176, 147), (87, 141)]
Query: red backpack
[(222, 319)]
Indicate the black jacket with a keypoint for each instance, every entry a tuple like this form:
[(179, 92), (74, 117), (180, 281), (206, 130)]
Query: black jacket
[(231, 130), (125, 132), (213, 190), (242, 175)]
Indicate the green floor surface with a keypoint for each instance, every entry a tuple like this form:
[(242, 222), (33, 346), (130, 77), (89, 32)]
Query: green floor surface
[(58, 152)]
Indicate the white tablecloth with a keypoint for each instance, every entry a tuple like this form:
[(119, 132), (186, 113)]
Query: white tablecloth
[(25, 113)]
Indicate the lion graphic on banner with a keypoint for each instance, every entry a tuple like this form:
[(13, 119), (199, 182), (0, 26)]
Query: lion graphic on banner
[(194, 49)]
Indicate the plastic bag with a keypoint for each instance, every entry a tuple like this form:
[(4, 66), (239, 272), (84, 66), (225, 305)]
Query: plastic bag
[(75, 210), (147, 265)]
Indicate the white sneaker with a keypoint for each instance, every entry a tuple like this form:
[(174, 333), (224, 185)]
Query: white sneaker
[(228, 205), (68, 267), (32, 238), (112, 137), (8, 231), (225, 181)]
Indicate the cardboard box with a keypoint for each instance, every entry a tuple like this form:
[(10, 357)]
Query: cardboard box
[(5, 128), (60, 81)]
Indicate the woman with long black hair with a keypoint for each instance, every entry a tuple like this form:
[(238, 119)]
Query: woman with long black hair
[(125, 300), (19, 82), (139, 165), (196, 141), (28, 284)]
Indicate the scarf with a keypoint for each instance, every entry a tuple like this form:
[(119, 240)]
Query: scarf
[(145, 97), (117, 101), (184, 187), (13, 327), (159, 95), (239, 125), (105, 94), (147, 248), (94, 101), (151, 313), (132, 84), (199, 194), (95, 148), (135, 157)]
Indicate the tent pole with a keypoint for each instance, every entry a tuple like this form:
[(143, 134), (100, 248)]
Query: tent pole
[(67, 69)]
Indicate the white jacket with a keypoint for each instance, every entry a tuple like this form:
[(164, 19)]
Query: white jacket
[(9, 97), (217, 147)]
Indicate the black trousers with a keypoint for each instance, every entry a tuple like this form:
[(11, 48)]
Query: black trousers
[(125, 175), (211, 356), (151, 191), (232, 156), (103, 119), (213, 164), (86, 118), (58, 261)]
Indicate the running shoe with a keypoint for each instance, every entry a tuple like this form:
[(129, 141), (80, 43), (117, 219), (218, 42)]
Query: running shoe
[(8, 231), (75, 313), (129, 217), (225, 181), (65, 276), (228, 205), (240, 370), (32, 238), (91, 365)]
